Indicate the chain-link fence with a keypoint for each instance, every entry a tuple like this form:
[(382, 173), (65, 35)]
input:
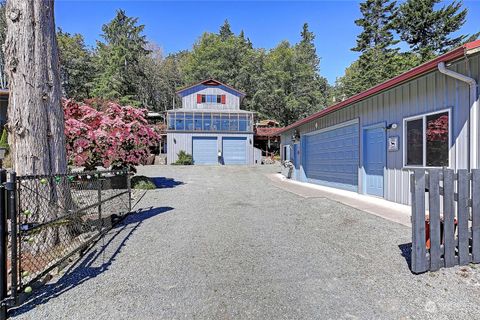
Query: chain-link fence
[(53, 217)]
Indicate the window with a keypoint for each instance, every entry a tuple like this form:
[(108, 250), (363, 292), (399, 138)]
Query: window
[(427, 140), (206, 121), (188, 121), (198, 121), (179, 121), (211, 98)]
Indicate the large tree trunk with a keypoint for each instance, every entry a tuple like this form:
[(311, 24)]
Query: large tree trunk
[(35, 115)]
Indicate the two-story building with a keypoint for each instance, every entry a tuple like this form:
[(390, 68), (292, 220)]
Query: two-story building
[(210, 126)]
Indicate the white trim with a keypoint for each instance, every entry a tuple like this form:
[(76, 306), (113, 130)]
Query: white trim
[(336, 126), (424, 116)]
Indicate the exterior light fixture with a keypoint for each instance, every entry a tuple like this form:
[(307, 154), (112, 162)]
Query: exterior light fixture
[(296, 135), (174, 140), (392, 126)]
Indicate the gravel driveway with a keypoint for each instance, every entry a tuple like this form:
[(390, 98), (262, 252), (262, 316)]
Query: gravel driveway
[(224, 243)]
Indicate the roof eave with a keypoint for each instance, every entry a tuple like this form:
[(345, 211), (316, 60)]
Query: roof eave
[(398, 80)]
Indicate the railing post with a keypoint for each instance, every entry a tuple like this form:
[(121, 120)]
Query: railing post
[(99, 199), (11, 187), (129, 187), (3, 246)]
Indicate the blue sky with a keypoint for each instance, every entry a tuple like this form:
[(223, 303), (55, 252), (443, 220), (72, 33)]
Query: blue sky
[(175, 25)]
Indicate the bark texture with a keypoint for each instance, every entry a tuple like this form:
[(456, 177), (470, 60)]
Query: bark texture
[(35, 115)]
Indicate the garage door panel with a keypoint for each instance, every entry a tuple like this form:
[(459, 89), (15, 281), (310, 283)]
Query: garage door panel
[(235, 150), (204, 150), (331, 157)]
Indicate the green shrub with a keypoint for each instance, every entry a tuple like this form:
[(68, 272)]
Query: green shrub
[(184, 159), (144, 185), (4, 139)]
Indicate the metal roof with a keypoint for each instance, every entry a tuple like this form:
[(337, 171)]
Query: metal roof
[(409, 75), (208, 82)]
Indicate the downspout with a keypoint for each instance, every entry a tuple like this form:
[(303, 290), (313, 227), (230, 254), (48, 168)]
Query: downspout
[(474, 112)]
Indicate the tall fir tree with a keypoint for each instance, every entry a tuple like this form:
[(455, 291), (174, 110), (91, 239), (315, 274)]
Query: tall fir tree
[(377, 24), (428, 30), (309, 87), (226, 31), (379, 60), (76, 66), (118, 59)]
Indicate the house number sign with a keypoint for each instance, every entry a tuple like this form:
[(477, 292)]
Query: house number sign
[(393, 143)]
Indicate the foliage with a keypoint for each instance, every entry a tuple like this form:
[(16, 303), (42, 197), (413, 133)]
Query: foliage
[(428, 30), (142, 183), (290, 87), (118, 59), (4, 139), (76, 65), (184, 158), (162, 77), (119, 136), (417, 22)]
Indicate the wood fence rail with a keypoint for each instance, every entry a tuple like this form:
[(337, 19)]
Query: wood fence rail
[(447, 233)]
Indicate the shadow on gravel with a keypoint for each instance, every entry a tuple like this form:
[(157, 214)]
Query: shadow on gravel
[(93, 263), (406, 251), (163, 182)]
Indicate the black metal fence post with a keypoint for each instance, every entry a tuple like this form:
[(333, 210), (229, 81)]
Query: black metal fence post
[(3, 247), (129, 187), (11, 188), (99, 199)]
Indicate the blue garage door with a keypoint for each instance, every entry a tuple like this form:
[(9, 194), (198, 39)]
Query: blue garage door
[(235, 150), (205, 150), (331, 157)]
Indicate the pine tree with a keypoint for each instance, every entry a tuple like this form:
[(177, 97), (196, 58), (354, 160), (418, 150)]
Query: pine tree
[(428, 30), (118, 59), (76, 66), (225, 31), (377, 25), (309, 87)]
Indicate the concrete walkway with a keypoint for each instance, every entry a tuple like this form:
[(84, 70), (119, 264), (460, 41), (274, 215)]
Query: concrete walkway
[(226, 243), (380, 207)]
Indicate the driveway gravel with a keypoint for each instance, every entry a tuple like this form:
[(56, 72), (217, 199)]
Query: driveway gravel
[(224, 243)]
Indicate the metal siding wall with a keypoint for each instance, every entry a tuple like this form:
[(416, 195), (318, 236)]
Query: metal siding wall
[(184, 142), (190, 101), (431, 92)]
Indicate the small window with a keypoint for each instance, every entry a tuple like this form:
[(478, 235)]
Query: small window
[(219, 98), (204, 98), (427, 140)]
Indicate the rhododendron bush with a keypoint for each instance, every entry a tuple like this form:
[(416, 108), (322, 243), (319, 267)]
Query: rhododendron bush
[(119, 136)]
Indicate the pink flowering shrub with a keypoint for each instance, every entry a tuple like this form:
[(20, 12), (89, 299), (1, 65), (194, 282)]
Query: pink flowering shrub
[(119, 136)]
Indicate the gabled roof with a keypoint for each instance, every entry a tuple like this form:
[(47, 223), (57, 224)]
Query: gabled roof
[(409, 75), (211, 82)]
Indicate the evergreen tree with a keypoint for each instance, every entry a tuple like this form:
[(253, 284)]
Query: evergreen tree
[(309, 87), (76, 66), (162, 77), (377, 24), (226, 31), (428, 30), (118, 59), (379, 59)]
